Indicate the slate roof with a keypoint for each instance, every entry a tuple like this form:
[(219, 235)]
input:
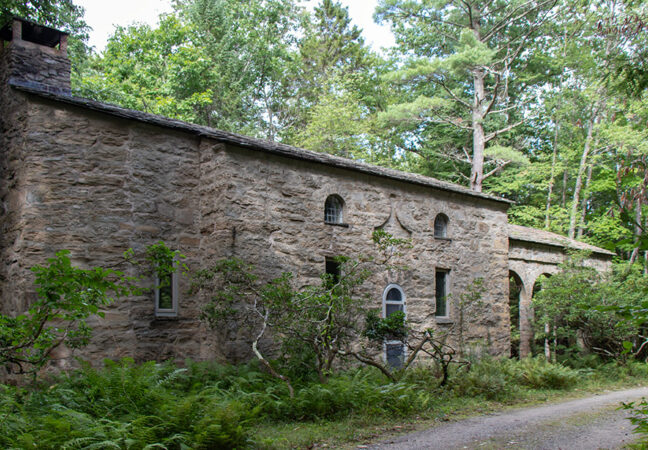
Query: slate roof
[(254, 144), (526, 234)]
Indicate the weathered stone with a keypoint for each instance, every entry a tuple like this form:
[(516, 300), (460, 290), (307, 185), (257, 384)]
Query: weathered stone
[(98, 179)]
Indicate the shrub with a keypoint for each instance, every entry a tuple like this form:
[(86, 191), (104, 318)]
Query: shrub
[(537, 373), (489, 378)]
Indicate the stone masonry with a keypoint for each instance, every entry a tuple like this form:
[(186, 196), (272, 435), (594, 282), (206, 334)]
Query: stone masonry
[(97, 179)]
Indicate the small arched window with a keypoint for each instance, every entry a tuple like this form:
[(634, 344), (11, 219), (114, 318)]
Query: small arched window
[(333, 209), (393, 300), (441, 226)]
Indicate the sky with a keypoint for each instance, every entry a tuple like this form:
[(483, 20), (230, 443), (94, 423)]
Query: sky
[(103, 15)]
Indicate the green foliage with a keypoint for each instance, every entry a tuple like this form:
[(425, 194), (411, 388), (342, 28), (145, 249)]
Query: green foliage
[(379, 329), (207, 405), (580, 305), (500, 379), (322, 318), (537, 373), (66, 297)]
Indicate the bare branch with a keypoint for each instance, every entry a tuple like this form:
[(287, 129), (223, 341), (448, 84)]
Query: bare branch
[(497, 169), (493, 135), (452, 94)]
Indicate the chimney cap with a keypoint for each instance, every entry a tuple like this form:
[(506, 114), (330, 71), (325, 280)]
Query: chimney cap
[(33, 32)]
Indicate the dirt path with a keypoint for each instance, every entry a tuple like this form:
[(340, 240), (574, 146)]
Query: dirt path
[(588, 423)]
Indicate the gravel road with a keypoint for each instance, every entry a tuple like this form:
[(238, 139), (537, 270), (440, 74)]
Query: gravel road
[(588, 423)]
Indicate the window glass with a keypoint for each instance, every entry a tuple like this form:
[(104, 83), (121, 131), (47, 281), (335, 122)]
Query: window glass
[(441, 282), (441, 226), (333, 209), (333, 270), (391, 308), (395, 354), (165, 294), (393, 301), (394, 294)]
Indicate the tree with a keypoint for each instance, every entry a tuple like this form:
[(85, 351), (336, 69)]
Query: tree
[(66, 297), (157, 70), (248, 46), (315, 323), (337, 123), (220, 63), (585, 313), (469, 53)]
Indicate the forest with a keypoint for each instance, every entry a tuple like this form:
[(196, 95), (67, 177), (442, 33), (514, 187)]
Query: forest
[(540, 102)]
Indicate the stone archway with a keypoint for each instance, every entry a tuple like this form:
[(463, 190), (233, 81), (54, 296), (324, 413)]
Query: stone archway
[(516, 294), (537, 287)]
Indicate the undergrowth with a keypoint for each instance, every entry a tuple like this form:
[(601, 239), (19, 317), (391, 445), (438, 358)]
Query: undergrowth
[(211, 406)]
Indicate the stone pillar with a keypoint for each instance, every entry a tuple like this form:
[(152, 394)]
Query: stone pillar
[(526, 317)]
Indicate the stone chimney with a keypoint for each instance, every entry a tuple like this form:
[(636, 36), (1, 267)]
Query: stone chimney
[(34, 56)]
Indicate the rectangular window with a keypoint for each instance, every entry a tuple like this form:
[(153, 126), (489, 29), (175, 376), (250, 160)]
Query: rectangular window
[(167, 295), (333, 270), (395, 354), (441, 292)]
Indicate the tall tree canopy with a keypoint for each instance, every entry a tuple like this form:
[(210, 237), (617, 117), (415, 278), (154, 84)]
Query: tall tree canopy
[(468, 54)]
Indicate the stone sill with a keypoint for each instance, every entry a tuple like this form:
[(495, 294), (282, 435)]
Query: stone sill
[(444, 320), (443, 239), (343, 225), (166, 319)]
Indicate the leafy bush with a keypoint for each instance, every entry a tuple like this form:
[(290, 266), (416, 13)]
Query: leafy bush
[(489, 378), (537, 373), (583, 309)]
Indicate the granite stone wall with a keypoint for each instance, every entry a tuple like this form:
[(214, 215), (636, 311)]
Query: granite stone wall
[(98, 185)]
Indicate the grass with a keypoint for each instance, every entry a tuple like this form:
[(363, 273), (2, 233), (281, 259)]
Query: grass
[(204, 405)]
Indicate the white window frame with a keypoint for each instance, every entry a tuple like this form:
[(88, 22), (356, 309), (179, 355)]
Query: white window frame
[(175, 294), (385, 302)]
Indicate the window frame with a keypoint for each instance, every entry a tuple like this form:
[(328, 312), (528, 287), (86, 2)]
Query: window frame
[(403, 303), (340, 213), (175, 294), (446, 220), (446, 278)]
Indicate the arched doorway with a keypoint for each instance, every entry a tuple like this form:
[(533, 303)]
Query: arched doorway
[(516, 287)]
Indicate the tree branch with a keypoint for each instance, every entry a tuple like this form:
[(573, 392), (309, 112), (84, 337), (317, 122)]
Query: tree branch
[(493, 135)]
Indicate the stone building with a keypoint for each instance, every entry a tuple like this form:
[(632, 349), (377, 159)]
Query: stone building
[(98, 179)]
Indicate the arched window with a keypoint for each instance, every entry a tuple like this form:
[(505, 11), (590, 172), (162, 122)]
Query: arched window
[(441, 226), (393, 301), (333, 209)]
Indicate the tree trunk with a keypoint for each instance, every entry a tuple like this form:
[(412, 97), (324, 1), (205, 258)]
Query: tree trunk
[(547, 348), (579, 178), (554, 156), (552, 176), (581, 223), (479, 139), (637, 231), (563, 201)]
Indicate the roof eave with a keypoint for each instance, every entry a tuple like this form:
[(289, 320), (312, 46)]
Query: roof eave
[(257, 144)]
